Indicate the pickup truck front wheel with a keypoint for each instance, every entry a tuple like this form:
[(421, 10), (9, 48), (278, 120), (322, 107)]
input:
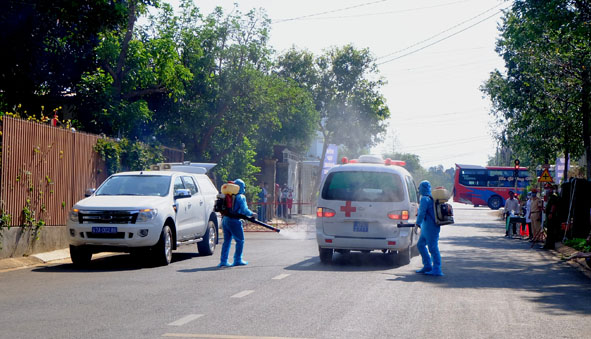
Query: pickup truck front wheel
[(162, 251), (80, 255), (207, 245)]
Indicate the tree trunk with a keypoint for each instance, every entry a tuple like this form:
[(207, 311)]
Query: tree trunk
[(585, 101), (119, 72), (566, 143)]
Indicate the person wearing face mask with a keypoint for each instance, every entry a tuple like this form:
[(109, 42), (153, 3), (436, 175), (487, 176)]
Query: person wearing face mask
[(233, 228), (428, 244)]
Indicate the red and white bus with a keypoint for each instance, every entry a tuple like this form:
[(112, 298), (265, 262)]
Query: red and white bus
[(489, 185)]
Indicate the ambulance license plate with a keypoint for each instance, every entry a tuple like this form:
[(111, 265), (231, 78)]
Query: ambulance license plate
[(360, 226)]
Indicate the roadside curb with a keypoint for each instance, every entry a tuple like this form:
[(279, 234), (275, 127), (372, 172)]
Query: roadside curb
[(37, 259), (563, 252), (34, 259)]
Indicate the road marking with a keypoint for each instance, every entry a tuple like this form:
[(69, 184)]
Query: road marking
[(186, 319), (307, 264), (242, 294), (281, 276), (219, 336)]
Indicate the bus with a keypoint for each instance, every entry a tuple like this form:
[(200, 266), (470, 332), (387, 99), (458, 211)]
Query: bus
[(477, 185)]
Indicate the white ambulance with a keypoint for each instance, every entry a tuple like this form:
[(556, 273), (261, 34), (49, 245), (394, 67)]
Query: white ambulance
[(368, 204)]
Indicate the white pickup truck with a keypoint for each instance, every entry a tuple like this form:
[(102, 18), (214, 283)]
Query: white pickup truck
[(149, 213)]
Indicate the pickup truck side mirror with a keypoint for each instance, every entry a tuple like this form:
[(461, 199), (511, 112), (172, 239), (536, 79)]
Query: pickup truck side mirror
[(89, 192), (182, 193)]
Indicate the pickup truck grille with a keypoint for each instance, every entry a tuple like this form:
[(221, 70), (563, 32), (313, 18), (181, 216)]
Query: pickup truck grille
[(107, 217)]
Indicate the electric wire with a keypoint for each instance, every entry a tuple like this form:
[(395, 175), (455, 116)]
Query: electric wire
[(440, 33), (440, 40), (391, 12), (331, 11)]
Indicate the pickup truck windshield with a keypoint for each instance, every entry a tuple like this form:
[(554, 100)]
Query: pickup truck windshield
[(155, 185)]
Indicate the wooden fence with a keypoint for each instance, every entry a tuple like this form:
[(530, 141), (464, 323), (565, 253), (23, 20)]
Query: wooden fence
[(46, 170)]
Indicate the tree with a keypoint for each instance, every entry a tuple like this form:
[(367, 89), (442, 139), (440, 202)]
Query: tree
[(543, 101), (236, 106), (134, 69), (346, 95), (48, 45)]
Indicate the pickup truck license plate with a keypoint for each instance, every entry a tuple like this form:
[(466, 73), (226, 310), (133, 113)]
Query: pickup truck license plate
[(104, 230), (360, 226)]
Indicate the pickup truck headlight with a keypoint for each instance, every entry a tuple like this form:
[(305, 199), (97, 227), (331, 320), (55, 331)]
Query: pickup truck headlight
[(73, 215), (147, 214)]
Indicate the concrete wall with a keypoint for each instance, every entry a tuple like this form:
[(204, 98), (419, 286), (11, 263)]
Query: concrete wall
[(18, 241)]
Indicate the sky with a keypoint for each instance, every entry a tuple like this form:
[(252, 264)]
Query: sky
[(434, 55)]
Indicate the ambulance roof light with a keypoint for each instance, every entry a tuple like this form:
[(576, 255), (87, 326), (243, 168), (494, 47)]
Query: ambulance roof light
[(371, 159)]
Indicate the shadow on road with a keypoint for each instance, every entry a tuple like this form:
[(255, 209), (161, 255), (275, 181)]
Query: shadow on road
[(351, 262), (112, 263), (499, 263)]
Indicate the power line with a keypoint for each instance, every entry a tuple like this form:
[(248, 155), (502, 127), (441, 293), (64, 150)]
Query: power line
[(331, 11), (392, 12), (437, 41), (440, 33)]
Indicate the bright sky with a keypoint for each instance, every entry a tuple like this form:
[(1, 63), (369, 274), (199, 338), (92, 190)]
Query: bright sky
[(434, 54)]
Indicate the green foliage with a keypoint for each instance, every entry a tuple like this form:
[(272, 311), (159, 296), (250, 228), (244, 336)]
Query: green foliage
[(436, 175), (578, 244), (125, 155), (542, 100), (135, 67), (346, 95), (110, 152), (31, 220), (137, 156), (5, 222), (47, 45), (347, 100), (240, 166)]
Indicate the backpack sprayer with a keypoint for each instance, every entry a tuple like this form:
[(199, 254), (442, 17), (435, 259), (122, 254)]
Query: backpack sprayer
[(225, 202)]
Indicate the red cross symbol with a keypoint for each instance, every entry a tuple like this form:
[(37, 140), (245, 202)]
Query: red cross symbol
[(348, 209)]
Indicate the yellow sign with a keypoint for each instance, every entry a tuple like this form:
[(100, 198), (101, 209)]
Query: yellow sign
[(545, 177)]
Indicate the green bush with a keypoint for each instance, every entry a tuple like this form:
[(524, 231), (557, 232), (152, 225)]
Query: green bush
[(578, 244)]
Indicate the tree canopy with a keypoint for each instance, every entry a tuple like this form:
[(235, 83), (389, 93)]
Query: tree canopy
[(542, 99), (212, 84)]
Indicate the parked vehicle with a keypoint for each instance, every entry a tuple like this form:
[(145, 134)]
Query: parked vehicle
[(367, 204), (148, 213), (477, 185)]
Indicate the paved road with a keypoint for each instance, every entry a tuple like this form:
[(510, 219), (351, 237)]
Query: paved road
[(493, 288)]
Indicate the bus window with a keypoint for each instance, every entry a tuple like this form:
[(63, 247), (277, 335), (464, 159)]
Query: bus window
[(472, 177)]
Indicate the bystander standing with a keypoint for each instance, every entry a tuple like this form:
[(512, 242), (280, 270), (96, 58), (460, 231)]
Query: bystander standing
[(552, 218), (535, 215), (262, 209), (511, 209)]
